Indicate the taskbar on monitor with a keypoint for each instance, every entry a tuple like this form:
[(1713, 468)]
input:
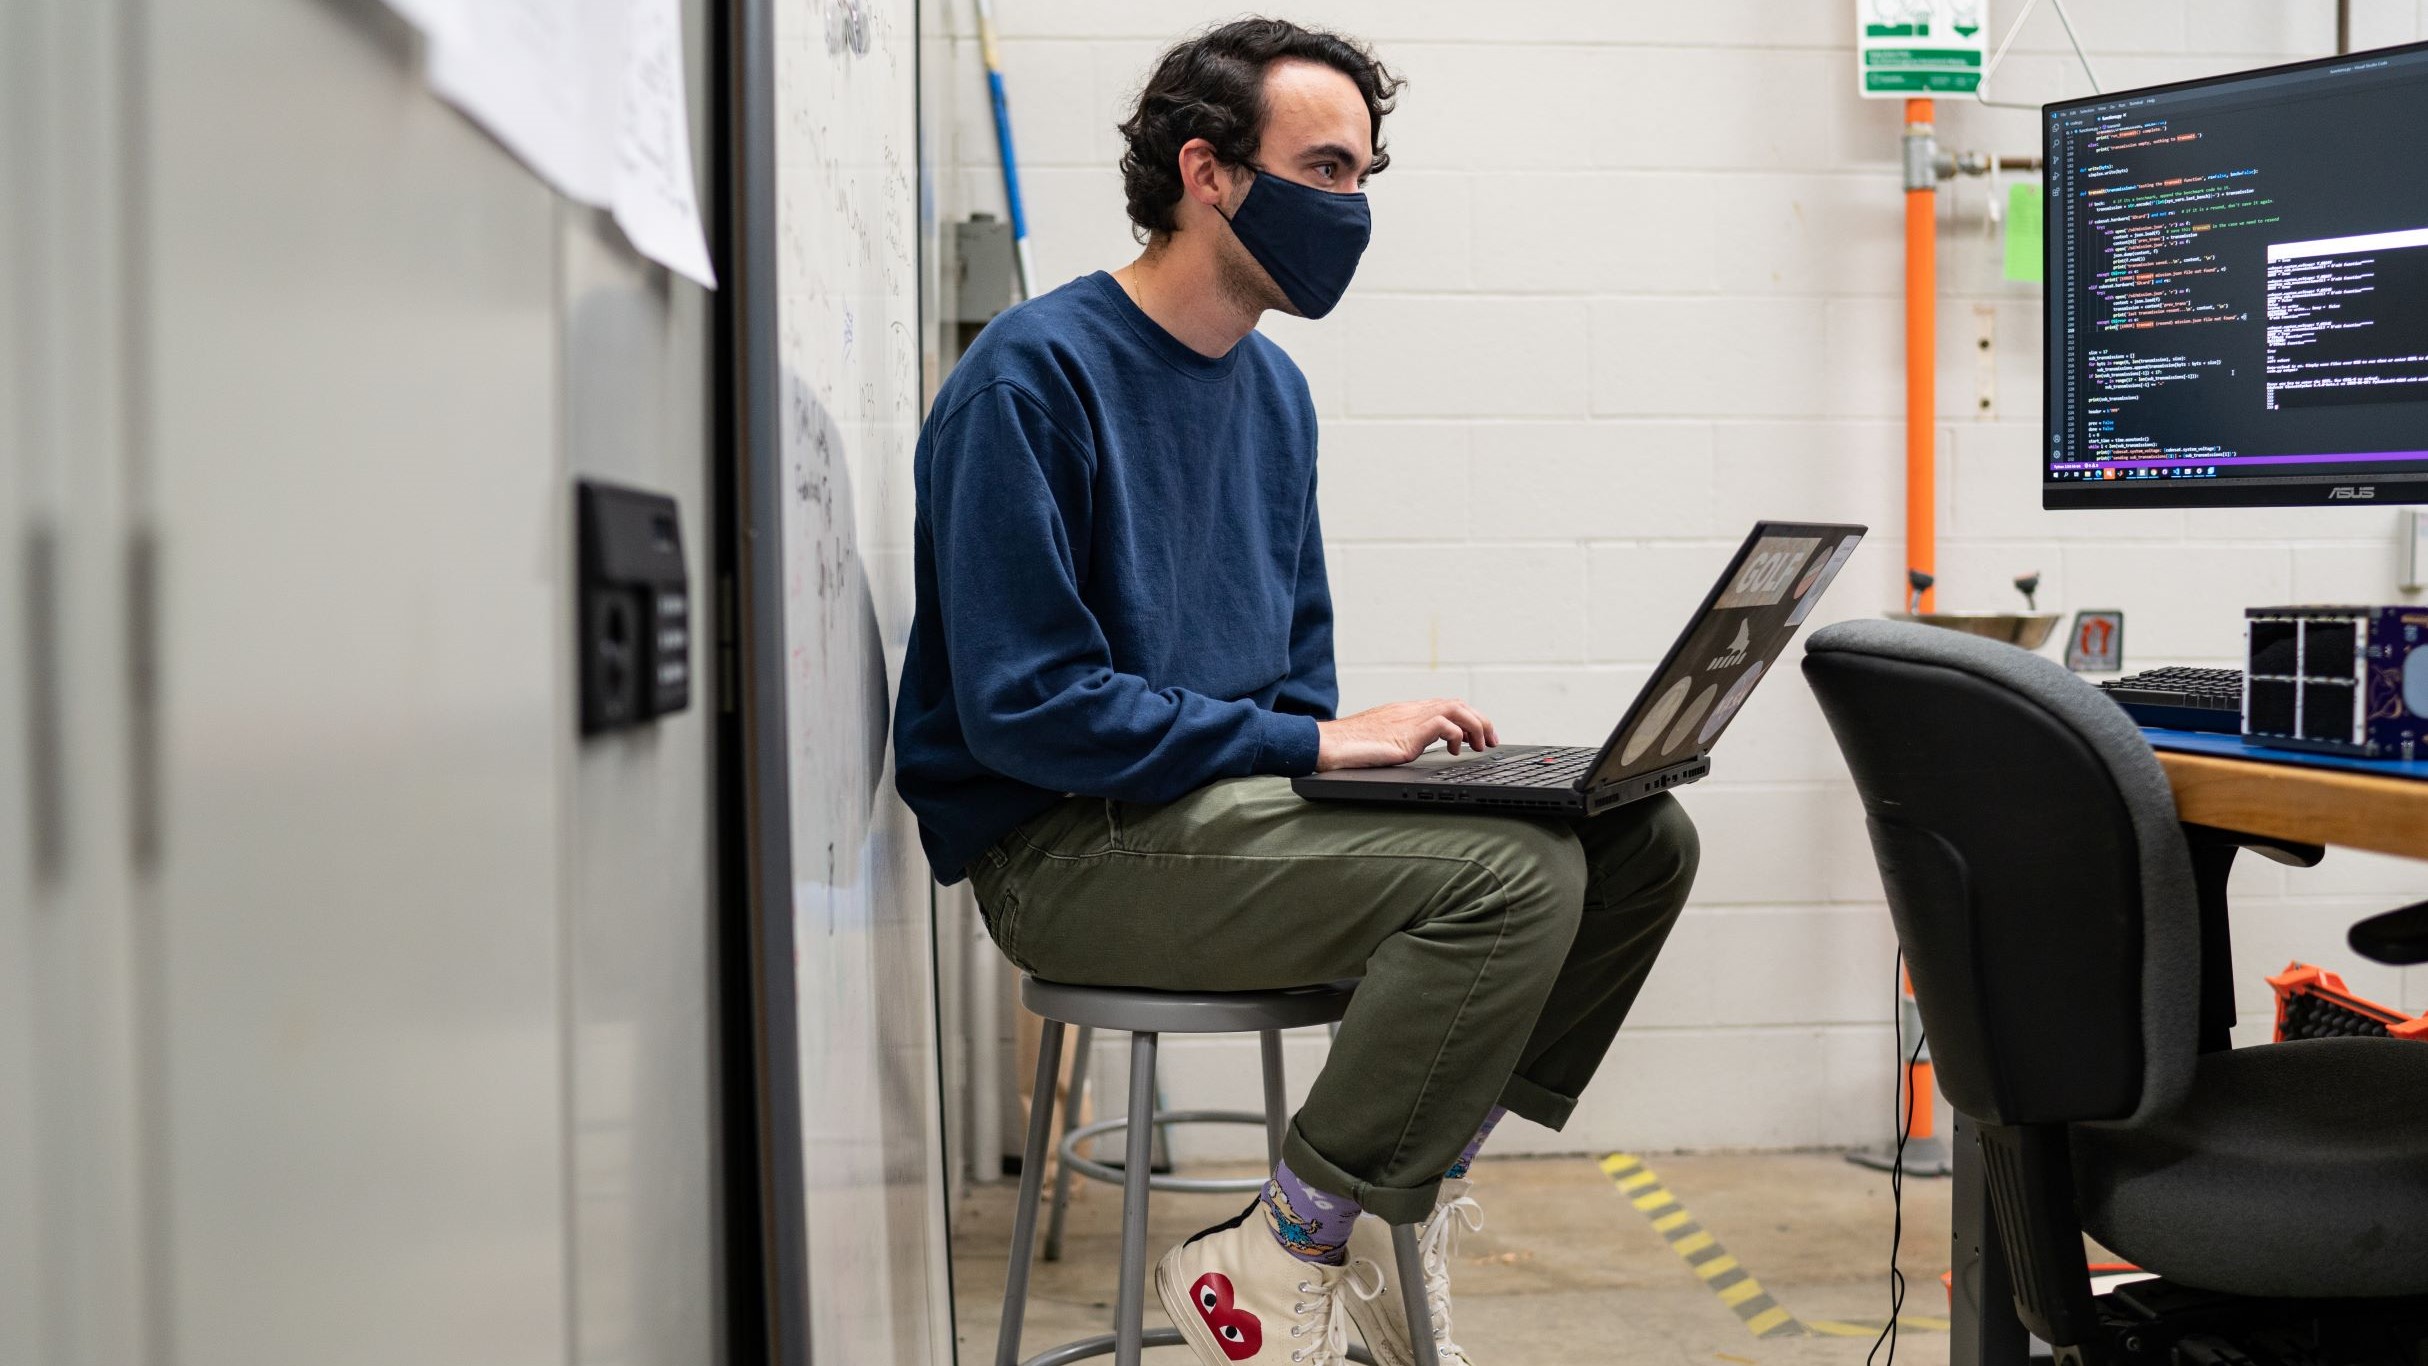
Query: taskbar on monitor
[(2341, 488)]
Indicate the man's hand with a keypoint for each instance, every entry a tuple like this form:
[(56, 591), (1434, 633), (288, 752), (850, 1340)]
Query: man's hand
[(1397, 732)]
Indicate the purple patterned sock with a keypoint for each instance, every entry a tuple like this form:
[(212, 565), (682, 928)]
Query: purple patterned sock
[(1311, 1225), (1466, 1159)]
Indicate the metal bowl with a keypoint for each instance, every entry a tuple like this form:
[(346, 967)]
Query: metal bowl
[(2027, 629)]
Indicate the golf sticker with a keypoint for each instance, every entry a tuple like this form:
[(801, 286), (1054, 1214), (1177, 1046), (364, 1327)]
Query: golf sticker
[(1768, 571)]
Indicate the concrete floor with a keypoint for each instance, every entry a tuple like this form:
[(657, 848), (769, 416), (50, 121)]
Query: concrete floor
[(1567, 1271)]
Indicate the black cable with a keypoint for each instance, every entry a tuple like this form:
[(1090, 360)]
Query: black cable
[(1905, 1102)]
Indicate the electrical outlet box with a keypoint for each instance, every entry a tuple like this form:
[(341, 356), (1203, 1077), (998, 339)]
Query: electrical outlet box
[(984, 276), (634, 618)]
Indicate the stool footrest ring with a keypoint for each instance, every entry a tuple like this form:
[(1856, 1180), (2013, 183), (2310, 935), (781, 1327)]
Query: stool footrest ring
[(1102, 1346), (1094, 1170)]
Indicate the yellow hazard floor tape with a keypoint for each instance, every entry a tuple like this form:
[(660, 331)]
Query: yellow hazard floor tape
[(1736, 1287)]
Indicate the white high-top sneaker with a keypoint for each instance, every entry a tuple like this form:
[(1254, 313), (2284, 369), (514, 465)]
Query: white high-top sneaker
[(1383, 1318), (1238, 1297)]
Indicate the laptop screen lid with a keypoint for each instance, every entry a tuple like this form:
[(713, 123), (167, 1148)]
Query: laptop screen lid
[(1732, 643)]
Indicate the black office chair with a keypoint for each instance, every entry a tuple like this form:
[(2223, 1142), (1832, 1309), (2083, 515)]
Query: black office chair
[(2048, 904)]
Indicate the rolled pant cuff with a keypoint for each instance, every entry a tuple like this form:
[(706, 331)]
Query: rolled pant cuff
[(1547, 1108), (1391, 1204)]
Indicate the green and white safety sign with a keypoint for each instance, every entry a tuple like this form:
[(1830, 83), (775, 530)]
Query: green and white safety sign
[(1910, 48)]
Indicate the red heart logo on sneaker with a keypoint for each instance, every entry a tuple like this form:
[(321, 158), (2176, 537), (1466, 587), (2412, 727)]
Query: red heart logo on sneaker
[(1235, 1330)]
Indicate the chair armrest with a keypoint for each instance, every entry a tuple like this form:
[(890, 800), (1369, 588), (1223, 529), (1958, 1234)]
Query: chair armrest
[(2213, 851), (2399, 937), (2291, 853)]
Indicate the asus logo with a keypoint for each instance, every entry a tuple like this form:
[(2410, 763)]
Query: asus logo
[(2350, 491)]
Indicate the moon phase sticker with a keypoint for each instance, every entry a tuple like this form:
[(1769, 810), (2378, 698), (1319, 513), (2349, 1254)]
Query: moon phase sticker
[(1655, 721), (1686, 723)]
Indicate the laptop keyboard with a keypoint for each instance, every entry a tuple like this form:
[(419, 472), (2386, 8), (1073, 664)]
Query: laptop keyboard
[(1546, 768)]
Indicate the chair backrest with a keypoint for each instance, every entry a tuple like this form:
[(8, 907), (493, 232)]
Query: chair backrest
[(2040, 882)]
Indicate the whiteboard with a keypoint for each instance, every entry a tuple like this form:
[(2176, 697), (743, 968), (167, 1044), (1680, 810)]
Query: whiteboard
[(845, 108)]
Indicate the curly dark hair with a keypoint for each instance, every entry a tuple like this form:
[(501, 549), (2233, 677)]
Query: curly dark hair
[(1212, 86)]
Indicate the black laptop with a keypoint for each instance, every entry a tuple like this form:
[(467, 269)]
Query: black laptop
[(1770, 586)]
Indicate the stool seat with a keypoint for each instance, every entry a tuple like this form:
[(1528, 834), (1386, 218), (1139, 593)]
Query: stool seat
[(1186, 1012)]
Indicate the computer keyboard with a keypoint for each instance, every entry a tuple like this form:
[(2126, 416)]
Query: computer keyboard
[(2182, 699), (1543, 768)]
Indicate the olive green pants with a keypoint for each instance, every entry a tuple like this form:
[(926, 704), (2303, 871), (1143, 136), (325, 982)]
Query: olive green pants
[(1499, 953)]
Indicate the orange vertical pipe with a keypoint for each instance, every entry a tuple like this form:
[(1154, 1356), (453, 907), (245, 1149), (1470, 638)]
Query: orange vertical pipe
[(1921, 1103), (1921, 367), (1920, 1106)]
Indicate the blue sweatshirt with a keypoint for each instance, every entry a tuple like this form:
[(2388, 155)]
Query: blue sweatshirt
[(1120, 576)]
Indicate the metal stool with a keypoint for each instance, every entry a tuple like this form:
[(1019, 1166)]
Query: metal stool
[(1270, 1119), (1146, 1016), (1074, 1134)]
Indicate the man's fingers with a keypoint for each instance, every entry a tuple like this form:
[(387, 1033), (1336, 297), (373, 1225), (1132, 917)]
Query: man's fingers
[(1479, 730), (1447, 719)]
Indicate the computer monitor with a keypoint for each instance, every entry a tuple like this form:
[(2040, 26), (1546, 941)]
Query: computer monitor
[(2237, 289)]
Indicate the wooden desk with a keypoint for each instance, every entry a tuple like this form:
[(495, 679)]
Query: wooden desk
[(2292, 801)]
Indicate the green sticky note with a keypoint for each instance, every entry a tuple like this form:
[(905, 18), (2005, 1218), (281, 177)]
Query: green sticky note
[(2023, 233)]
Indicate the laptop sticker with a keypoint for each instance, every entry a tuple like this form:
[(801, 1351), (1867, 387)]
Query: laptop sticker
[(1739, 646), (1686, 722), (1809, 596), (1729, 704), (1768, 572), (1655, 721)]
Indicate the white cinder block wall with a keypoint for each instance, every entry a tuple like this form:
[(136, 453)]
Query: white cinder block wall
[(1636, 281)]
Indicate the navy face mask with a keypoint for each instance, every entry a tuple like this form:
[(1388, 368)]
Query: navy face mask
[(1307, 239)]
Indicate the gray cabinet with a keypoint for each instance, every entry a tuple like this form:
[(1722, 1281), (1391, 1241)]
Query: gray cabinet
[(352, 1007)]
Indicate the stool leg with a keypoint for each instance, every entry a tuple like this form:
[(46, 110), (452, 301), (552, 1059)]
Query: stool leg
[(1412, 1284), (1081, 1046), (1277, 1096), (1129, 1311), (1032, 1182)]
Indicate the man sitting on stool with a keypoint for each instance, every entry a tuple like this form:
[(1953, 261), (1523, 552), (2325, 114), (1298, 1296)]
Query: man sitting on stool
[(1123, 651)]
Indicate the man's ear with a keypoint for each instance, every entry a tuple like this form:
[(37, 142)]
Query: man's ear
[(1203, 177)]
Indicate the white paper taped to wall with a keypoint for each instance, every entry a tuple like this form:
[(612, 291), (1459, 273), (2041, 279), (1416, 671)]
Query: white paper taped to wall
[(589, 94), (430, 16), (535, 73), (655, 202)]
